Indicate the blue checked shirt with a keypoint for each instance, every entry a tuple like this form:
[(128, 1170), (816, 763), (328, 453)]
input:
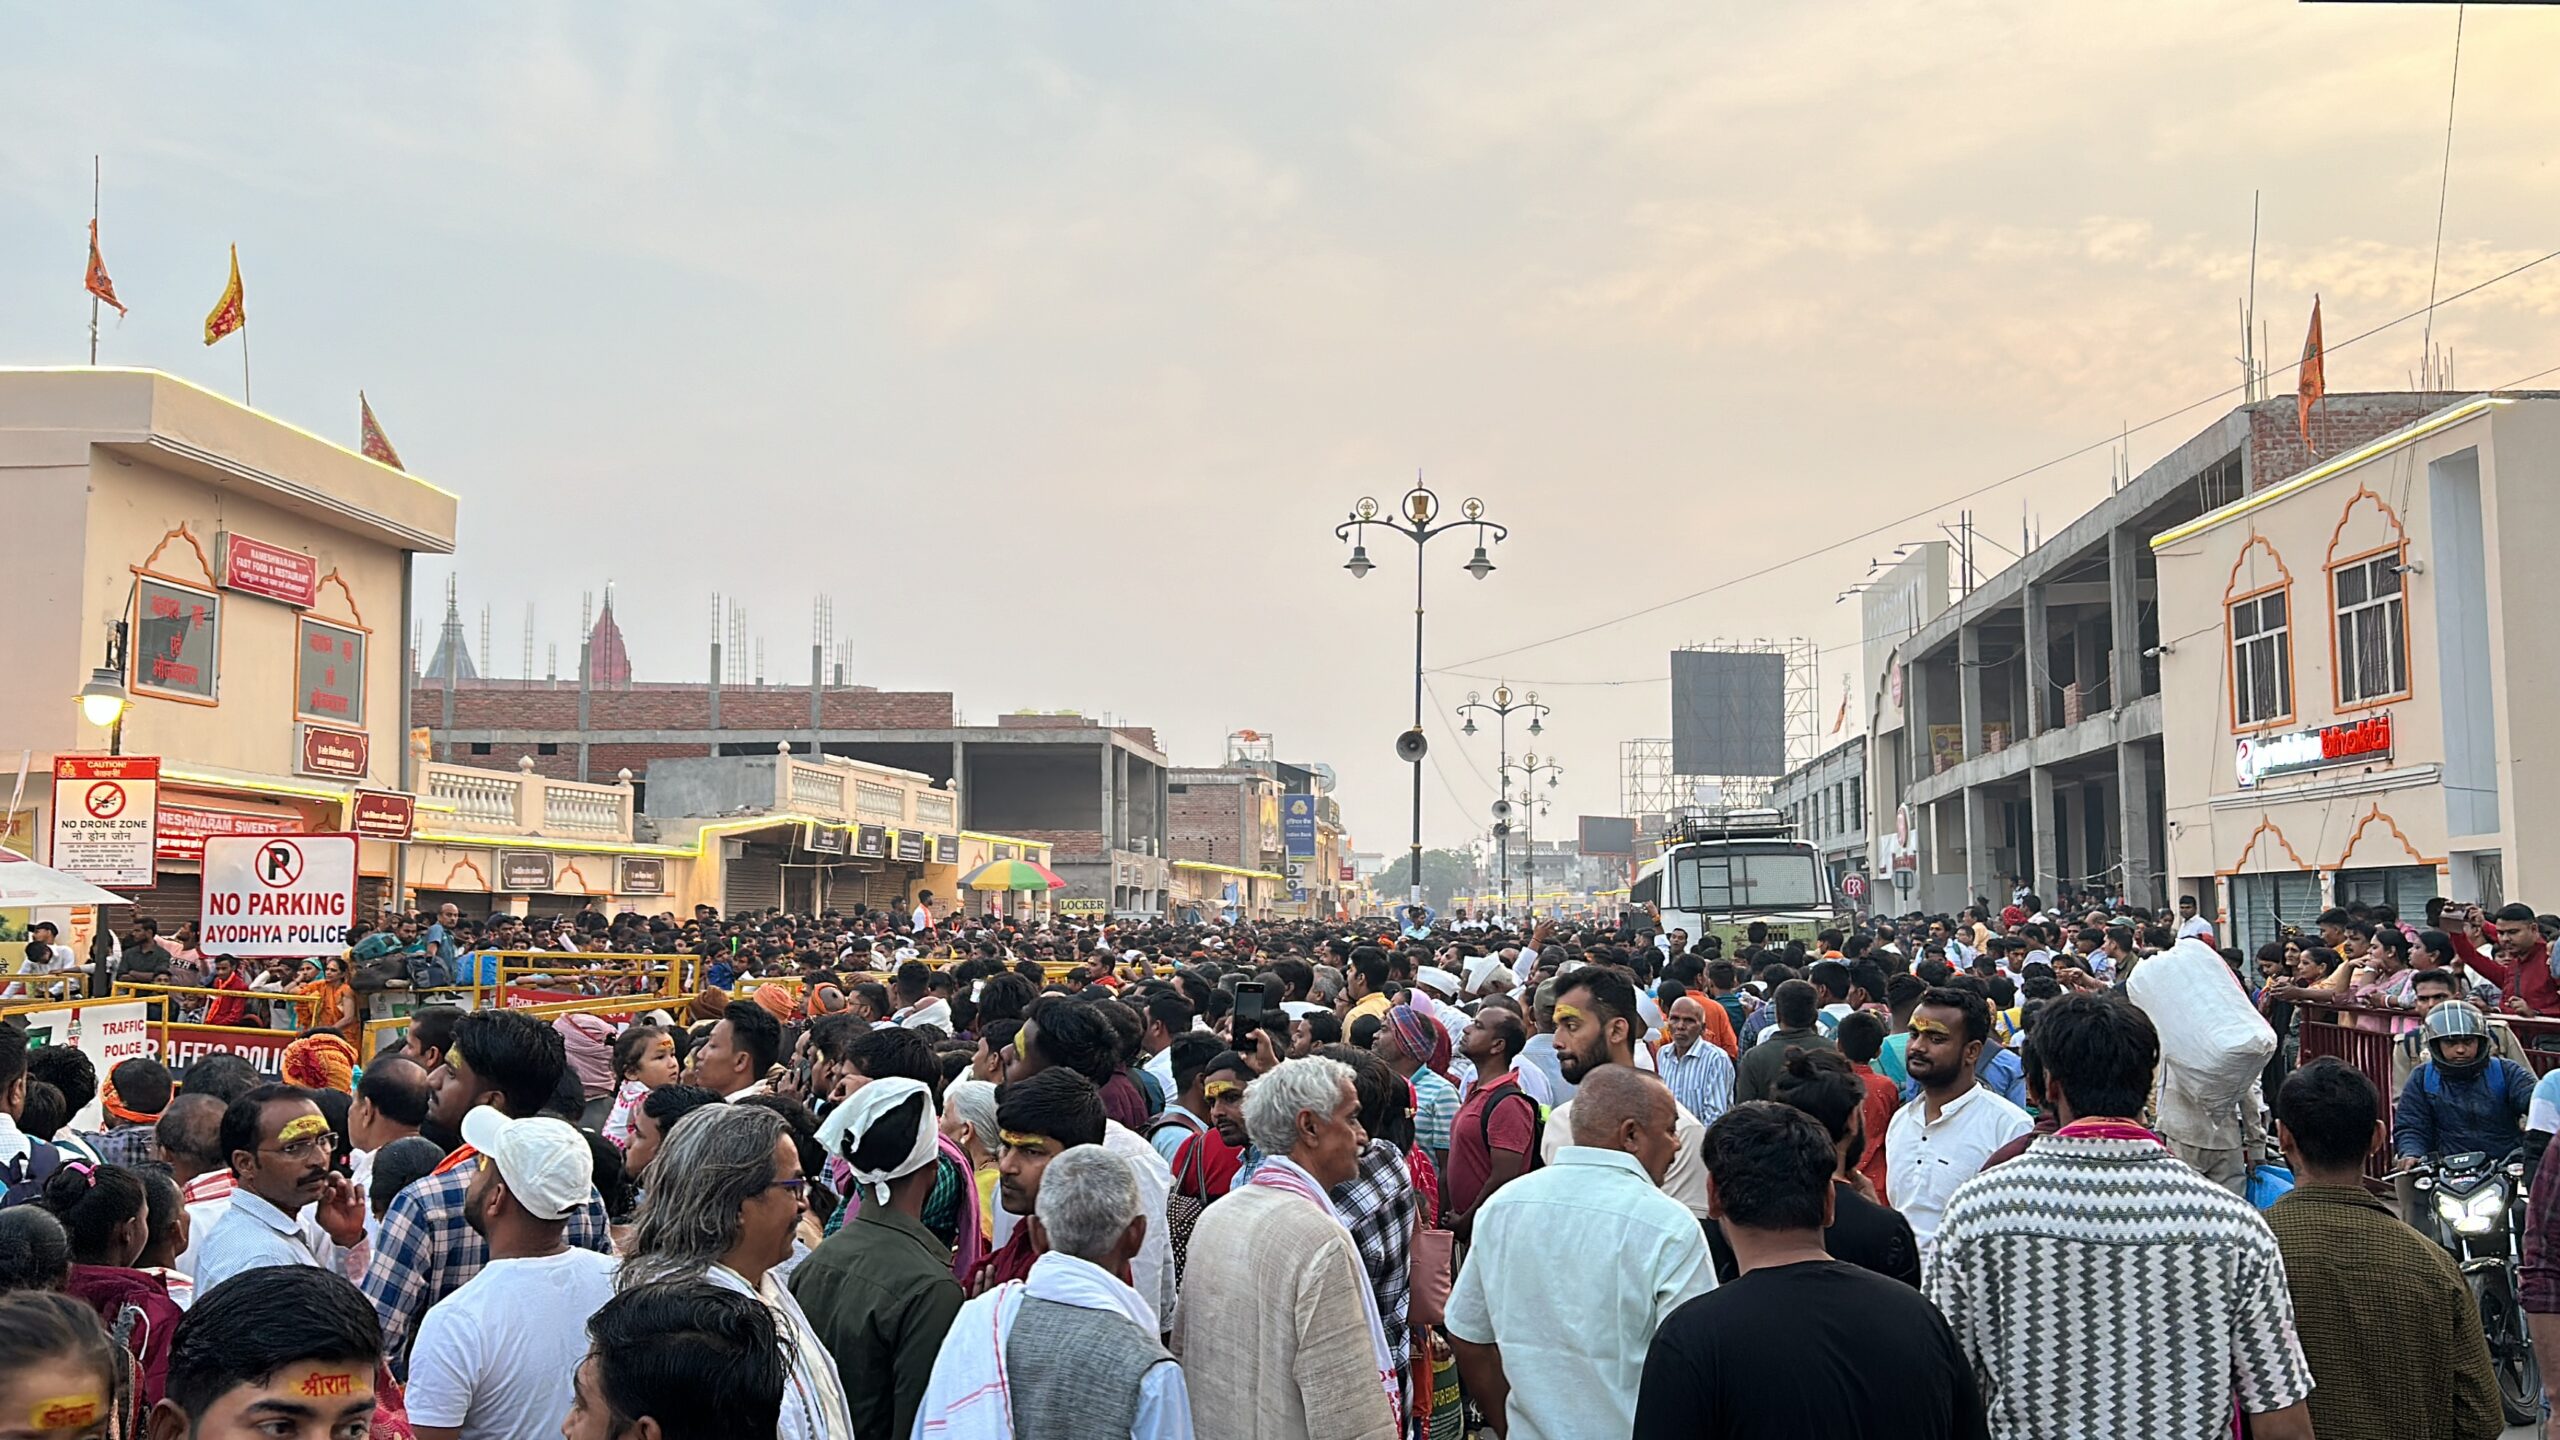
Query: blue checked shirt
[(1435, 1111), (424, 1250), (1703, 1081), (126, 1145)]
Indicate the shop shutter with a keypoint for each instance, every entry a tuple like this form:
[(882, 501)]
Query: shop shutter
[(752, 882), (2405, 888), (2262, 905), (176, 900)]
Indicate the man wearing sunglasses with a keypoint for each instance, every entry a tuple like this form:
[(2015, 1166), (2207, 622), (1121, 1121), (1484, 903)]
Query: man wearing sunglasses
[(281, 1152)]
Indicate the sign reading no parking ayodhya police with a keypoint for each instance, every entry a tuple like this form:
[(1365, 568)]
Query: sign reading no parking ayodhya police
[(278, 895)]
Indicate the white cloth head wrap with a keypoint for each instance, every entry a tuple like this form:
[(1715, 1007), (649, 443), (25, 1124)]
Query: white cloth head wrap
[(846, 1125)]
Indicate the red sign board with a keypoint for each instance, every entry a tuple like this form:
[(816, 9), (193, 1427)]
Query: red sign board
[(344, 754), (385, 815), (183, 1045), (184, 828), (254, 567)]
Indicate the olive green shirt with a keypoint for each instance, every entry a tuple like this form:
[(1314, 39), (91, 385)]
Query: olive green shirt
[(2390, 1329), (879, 1292)]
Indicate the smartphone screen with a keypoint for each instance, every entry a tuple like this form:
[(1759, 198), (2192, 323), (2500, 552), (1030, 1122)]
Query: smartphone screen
[(1248, 1013)]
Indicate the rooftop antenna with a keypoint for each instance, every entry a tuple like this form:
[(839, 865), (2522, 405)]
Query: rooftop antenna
[(2253, 370), (417, 645), (759, 662), (488, 656), (555, 663), (524, 673)]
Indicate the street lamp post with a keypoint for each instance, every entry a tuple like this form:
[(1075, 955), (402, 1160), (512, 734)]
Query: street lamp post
[(1501, 709), (1416, 521), (1530, 768), (104, 699)]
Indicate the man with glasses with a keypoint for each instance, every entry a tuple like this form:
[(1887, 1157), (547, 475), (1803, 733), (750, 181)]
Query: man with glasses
[(280, 1149)]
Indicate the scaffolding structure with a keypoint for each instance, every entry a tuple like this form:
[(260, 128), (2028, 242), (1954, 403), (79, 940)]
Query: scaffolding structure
[(1649, 788)]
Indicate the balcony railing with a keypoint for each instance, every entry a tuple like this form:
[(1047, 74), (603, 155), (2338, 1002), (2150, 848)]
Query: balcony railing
[(933, 809), (583, 810), (818, 791), (875, 801), (481, 799), (494, 802)]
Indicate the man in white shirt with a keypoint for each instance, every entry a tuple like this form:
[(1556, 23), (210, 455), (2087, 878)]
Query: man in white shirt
[(1573, 1369), (495, 1359), (280, 1148), (1595, 1025), (921, 918), (2190, 924), (1940, 1140)]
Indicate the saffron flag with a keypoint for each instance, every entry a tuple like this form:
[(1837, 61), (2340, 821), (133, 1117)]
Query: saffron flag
[(229, 313), (2312, 380), (1842, 722), (376, 445), (99, 284)]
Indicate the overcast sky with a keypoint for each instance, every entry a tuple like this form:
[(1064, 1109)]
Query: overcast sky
[(1052, 340)]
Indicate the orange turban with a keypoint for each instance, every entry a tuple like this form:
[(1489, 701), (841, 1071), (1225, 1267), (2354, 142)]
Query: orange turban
[(323, 1061), (826, 1000), (780, 1001)]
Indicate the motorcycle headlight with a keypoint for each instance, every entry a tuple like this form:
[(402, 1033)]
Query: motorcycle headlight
[(2482, 1212), (2449, 1208)]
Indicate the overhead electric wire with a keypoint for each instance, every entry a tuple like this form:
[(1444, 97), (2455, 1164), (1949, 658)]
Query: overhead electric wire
[(1457, 667)]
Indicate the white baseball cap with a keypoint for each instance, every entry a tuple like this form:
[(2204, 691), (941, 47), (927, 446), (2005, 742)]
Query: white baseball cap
[(545, 1162)]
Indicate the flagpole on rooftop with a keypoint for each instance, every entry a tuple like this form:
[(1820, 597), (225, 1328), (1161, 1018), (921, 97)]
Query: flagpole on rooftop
[(96, 179)]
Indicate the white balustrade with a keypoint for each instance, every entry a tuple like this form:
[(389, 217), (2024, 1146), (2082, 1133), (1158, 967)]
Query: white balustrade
[(482, 799)]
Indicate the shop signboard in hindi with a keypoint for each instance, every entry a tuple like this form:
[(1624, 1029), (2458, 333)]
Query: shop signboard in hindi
[(871, 842), (328, 678), (822, 839), (385, 815), (106, 818), (278, 895), (524, 870), (337, 754), (1298, 825), (177, 633), (185, 828), (909, 847), (946, 849), (254, 567), (640, 875)]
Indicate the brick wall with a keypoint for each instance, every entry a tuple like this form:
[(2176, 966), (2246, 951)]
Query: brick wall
[(1046, 722), (1201, 824), (684, 708), (2339, 423)]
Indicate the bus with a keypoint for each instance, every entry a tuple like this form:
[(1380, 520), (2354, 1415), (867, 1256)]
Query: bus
[(1722, 871)]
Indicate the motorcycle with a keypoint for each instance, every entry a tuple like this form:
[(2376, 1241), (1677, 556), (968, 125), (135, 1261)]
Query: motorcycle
[(2475, 1206)]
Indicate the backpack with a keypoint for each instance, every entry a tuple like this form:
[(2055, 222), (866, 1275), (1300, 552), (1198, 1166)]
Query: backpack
[(1537, 1125), (2435, 1080), (428, 971), (22, 1179), (376, 972)]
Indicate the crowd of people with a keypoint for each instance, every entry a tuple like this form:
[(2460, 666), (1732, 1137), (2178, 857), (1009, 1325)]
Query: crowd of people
[(933, 1175)]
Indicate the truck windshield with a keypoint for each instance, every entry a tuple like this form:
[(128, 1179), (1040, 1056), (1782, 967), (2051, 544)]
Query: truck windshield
[(1744, 877)]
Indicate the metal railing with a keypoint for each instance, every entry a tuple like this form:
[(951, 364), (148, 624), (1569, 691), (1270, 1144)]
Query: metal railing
[(2370, 1052)]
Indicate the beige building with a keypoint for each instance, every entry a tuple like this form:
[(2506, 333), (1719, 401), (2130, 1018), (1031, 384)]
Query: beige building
[(245, 581), (2355, 699)]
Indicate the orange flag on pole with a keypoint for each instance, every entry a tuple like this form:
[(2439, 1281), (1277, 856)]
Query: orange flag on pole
[(99, 284), (230, 312), (376, 445), (2312, 381)]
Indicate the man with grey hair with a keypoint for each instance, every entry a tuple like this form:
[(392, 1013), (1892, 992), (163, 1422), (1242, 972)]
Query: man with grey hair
[(1071, 1352), (1280, 1335)]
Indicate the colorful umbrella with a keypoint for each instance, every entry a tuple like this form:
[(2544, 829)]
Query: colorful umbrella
[(1011, 875)]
